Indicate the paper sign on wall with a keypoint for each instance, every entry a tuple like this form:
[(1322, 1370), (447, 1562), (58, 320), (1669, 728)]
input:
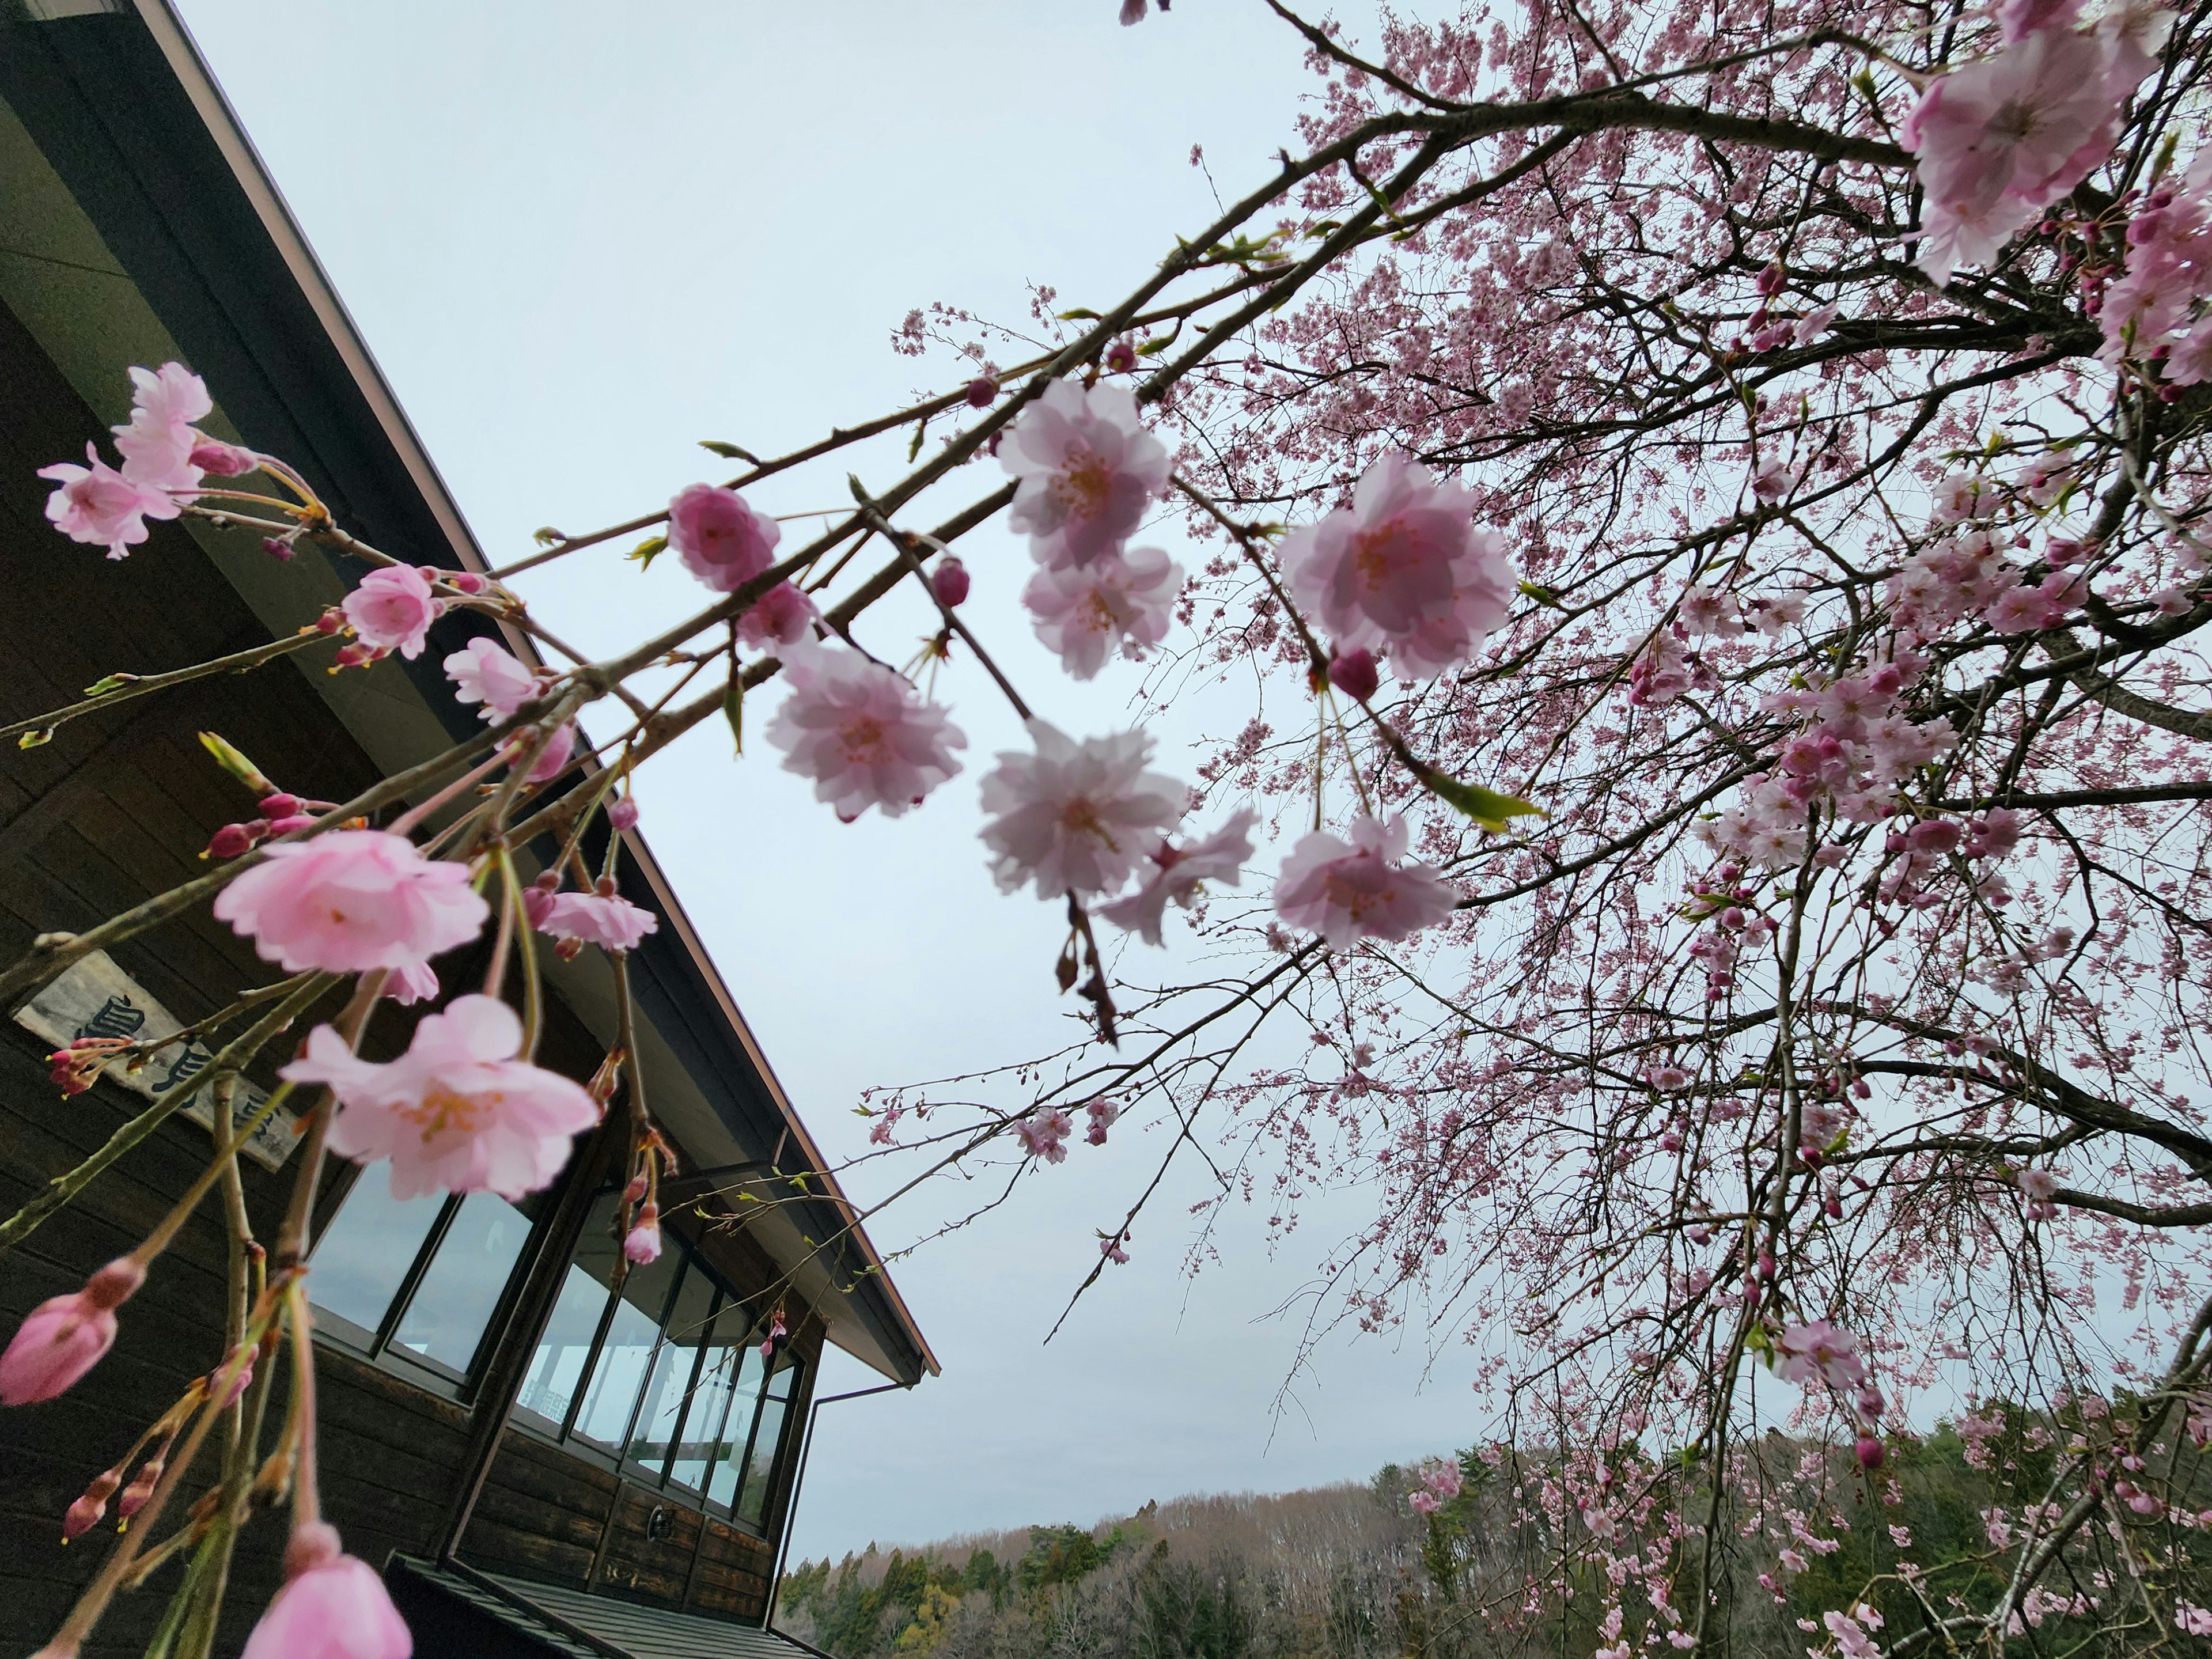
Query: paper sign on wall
[(97, 999)]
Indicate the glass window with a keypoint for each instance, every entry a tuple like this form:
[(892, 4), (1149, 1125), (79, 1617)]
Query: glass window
[(682, 1331), (703, 1433), (619, 1372), (447, 1315), (361, 1261), (768, 1439), (729, 1452)]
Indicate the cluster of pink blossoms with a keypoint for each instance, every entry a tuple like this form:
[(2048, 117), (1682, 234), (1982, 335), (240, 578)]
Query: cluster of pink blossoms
[(1966, 575), (1440, 1484), (725, 541), (2151, 312), (2001, 139), (1085, 472), (164, 460)]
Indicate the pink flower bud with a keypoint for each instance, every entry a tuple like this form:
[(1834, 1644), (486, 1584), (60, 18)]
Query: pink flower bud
[(287, 825), (281, 550), (538, 899), (1121, 357), (622, 814), (222, 460), (1354, 674), (280, 805), (355, 656), (467, 581), (641, 1243), (85, 1514), (1869, 1453), (982, 392), (333, 1605), (230, 841), (136, 1494), (1769, 281), (949, 581), (331, 621), (239, 1384), (65, 1336), (636, 1189)]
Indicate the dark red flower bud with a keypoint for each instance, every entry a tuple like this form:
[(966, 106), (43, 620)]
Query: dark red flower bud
[(285, 826), (281, 550), (949, 581), (230, 841), (331, 621), (1354, 674), (1869, 1453), (982, 392), (1121, 357), (280, 805)]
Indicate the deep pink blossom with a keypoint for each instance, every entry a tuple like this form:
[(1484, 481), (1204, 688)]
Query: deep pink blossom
[(782, 616), (1348, 891), (1086, 470), (332, 1606), (949, 582), (1102, 1114), (1403, 569), (720, 539), (101, 507), (862, 733), (600, 918), (392, 610), (1178, 873), (1123, 600), (1076, 816), (350, 900), (457, 1112), (485, 672), (621, 812), (65, 1336), (1354, 673)]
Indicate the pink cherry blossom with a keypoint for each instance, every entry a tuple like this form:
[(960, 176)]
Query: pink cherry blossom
[(782, 616), (720, 539), (485, 672), (457, 1112), (158, 442), (1820, 1350), (1085, 471), (332, 1606), (1075, 816), (101, 507), (392, 610), (862, 733), (641, 1243), (610, 923), (65, 1336), (350, 900), (1404, 568), (1178, 873), (1424, 1502), (1349, 891), (1119, 599), (1042, 1134), (1102, 1114), (553, 755), (412, 983)]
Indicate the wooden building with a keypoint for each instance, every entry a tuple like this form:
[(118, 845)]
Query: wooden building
[(540, 1464)]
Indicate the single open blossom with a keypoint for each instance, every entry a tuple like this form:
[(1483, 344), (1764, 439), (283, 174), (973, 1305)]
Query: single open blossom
[(1086, 470), (392, 610), (456, 1113), (553, 755), (782, 616), (1820, 1350), (350, 900), (158, 443), (1178, 872), (333, 1605), (1119, 599), (1404, 568), (641, 1243), (1348, 890), (65, 1336), (485, 672), (862, 733), (720, 539), (600, 918), (412, 983), (1043, 1133), (1075, 816), (1424, 1502), (101, 507)]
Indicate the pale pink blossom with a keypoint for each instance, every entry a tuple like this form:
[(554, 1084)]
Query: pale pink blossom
[(1085, 471), (1112, 1249), (1119, 599), (1709, 611), (1178, 873), (610, 923), (1813, 324), (1851, 1640), (392, 610), (782, 616), (485, 672), (1820, 1350), (101, 507), (350, 900), (720, 539), (862, 733), (1075, 816), (1424, 1501), (1348, 890), (2192, 1620), (1042, 1134), (457, 1112), (641, 1243), (1102, 1114), (157, 442), (332, 1606), (553, 755), (412, 983), (65, 1336), (1403, 568)]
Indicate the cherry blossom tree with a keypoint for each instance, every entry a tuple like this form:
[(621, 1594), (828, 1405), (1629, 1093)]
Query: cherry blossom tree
[(1720, 487)]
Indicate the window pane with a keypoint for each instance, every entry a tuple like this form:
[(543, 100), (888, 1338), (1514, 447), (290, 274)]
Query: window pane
[(703, 1430), (760, 1468), (620, 1370), (369, 1249), (729, 1452), (669, 1392), (446, 1317), (558, 1365)]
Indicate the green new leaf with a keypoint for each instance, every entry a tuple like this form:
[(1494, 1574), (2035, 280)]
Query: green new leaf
[(648, 550), (1080, 314), (546, 536), (32, 739), (729, 452), (1542, 595), (914, 448), (236, 764), (1150, 347), (1487, 807), (107, 683), (734, 706)]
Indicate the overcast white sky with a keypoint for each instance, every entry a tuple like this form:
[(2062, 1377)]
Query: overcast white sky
[(579, 238)]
